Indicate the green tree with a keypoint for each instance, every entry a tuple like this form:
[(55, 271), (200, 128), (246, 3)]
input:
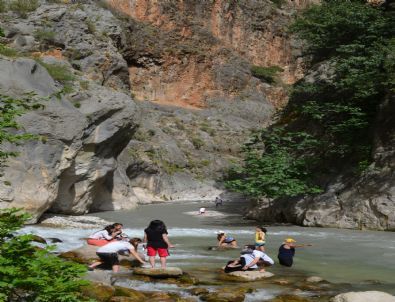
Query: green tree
[(28, 273), (351, 48)]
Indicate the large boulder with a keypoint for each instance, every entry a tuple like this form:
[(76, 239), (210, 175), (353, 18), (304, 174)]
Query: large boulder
[(70, 170), (168, 272), (251, 275), (87, 253), (371, 296)]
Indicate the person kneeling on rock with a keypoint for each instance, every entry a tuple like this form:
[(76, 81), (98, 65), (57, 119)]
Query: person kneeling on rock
[(108, 253), (249, 260)]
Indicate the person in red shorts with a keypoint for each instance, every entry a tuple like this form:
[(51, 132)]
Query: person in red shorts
[(157, 242)]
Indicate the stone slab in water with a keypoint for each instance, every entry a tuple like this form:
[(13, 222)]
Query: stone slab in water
[(251, 275), (158, 272), (368, 296)]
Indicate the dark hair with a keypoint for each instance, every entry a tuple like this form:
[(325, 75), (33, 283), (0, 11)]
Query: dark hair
[(135, 242), (262, 229), (116, 224), (157, 225), (219, 236), (109, 228)]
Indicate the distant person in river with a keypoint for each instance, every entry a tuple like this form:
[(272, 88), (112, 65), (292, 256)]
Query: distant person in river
[(108, 234), (202, 211), (108, 254), (286, 252), (218, 201), (250, 260), (225, 240), (260, 238), (157, 242)]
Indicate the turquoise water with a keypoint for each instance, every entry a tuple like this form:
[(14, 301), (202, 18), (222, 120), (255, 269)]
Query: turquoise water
[(365, 259)]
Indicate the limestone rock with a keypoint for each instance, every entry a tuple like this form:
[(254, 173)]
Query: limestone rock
[(98, 291), (80, 222), (70, 171), (87, 253), (226, 294), (251, 275), (371, 296), (168, 272), (314, 279)]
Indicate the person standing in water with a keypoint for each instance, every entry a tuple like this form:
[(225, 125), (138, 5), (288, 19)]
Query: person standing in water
[(286, 252), (260, 238), (157, 242)]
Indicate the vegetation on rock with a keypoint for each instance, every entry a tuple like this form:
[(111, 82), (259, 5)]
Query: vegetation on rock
[(327, 128)]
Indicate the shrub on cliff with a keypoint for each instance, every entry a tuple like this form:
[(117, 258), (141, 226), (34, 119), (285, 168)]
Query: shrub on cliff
[(328, 125), (28, 273)]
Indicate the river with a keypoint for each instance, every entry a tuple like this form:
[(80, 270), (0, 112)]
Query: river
[(364, 260)]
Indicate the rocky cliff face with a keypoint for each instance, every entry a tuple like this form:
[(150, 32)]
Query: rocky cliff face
[(364, 202), (182, 61), (204, 45)]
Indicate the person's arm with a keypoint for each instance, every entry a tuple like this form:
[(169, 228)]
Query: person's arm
[(221, 240), (107, 236), (115, 234), (253, 262), (166, 239), (145, 238), (136, 255), (303, 245)]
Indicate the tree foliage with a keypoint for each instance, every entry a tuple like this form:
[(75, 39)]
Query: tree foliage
[(28, 273), (328, 125)]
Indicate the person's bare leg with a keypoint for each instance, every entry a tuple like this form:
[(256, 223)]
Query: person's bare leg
[(94, 264), (234, 243), (152, 261), (163, 262), (115, 268)]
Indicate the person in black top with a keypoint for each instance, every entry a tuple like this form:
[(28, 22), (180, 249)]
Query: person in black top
[(286, 252), (157, 242)]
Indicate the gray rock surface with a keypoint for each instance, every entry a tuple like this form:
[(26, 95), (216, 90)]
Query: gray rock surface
[(68, 221), (71, 169), (168, 272), (371, 296), (251, 275)]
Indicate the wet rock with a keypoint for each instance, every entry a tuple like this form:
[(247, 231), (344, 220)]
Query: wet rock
[(132, 294), (314, 279), (281, 282), (226, 294), (168, 272), (55, 240), (290, 298), (98, 291), (198, 291), (38, 239), (251, 275), (87, 253), (368, 296), (125, 299)]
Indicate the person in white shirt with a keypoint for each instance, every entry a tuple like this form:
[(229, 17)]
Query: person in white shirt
[(108, 253), (252, 259), (202, 211), (108, 234), (249, 260)]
